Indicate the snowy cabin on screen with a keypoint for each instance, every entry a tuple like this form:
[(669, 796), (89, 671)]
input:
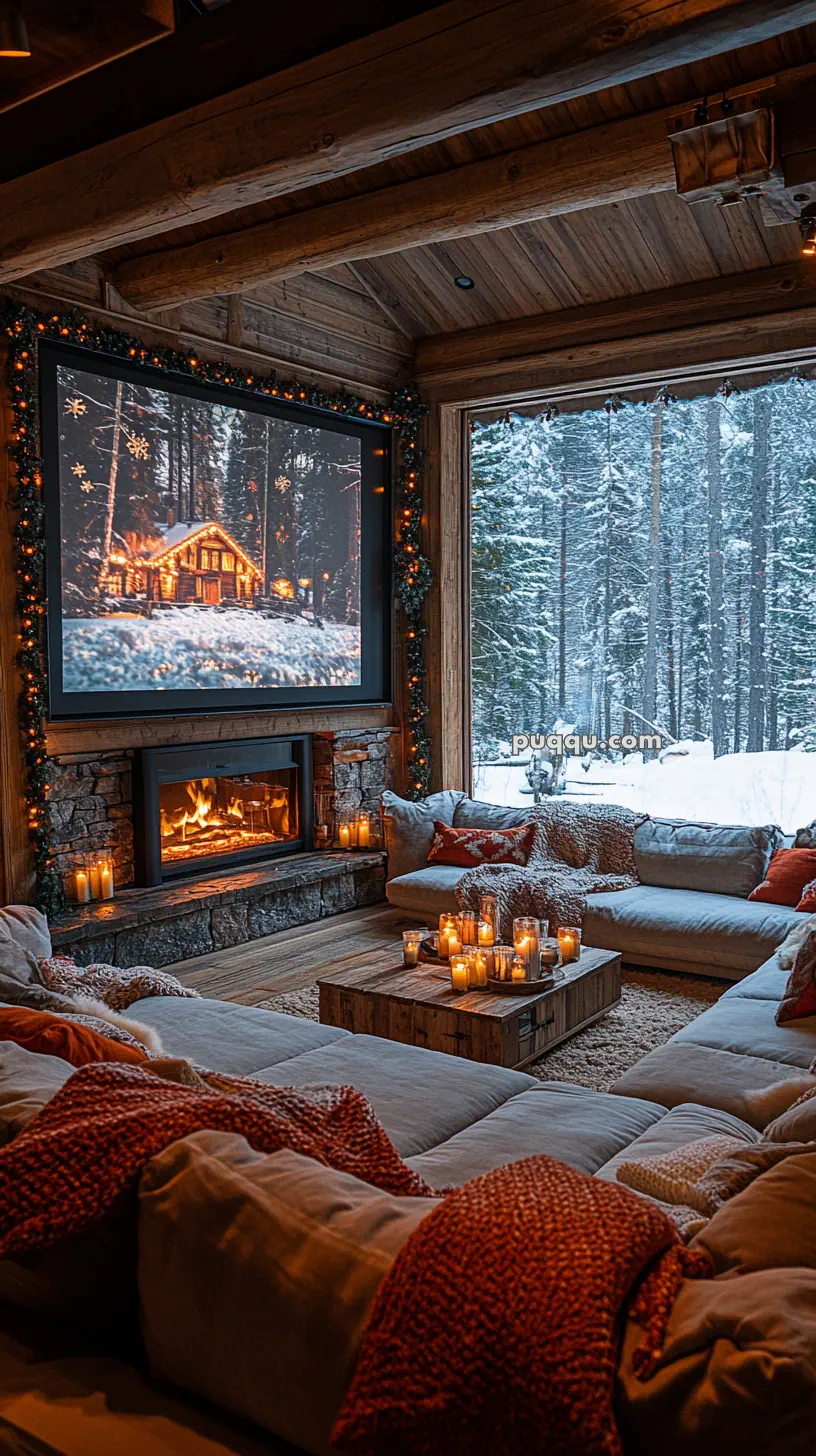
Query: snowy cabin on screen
[(192, 562)]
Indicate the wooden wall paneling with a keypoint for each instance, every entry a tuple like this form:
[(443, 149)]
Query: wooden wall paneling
[(448, 651), (16, 879)]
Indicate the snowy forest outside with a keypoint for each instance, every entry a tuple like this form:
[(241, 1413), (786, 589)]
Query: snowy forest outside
[(203, 546), (652, 566)]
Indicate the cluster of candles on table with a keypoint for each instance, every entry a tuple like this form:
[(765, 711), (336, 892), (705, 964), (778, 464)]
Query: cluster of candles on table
[(93, 880), (470, 943), (355, 833)]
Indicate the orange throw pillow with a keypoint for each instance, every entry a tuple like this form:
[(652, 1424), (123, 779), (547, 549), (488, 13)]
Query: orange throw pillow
[(39, 1031), (787, 874), (808, 900), (467, 848)]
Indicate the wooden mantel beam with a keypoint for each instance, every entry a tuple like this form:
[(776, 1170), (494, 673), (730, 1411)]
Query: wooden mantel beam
[(462, 65), (604, 164)]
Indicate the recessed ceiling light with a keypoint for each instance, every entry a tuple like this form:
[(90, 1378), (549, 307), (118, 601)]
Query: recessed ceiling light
[(464, 282)]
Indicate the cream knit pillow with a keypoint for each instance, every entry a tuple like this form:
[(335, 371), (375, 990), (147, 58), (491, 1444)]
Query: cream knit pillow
[(673, 1177)]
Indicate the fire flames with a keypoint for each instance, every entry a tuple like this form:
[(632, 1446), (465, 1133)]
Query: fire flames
[(210, 819)]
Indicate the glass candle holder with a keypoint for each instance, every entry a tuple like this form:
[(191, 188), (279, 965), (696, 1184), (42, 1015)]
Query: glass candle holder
[(489, 913), (550, 955), (518, 970), (93, 875), (344, 836), (468, 923), (569, 943), (481, 966), (411, 942), (106, 882), (447, 933), (503, 957), (459, 972), (363, 831), (527, 945), (485, 933), (543, 928), (82, 885)]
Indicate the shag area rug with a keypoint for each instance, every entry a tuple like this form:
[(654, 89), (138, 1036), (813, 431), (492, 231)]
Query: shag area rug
[(654, 1005)]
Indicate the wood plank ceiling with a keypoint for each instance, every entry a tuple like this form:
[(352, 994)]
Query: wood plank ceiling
[(362, 319)]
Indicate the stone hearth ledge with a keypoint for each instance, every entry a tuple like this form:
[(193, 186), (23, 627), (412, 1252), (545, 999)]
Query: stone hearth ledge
[(172, 922)]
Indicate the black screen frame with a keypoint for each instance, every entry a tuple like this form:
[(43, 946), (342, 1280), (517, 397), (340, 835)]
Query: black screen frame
[(376, 599)]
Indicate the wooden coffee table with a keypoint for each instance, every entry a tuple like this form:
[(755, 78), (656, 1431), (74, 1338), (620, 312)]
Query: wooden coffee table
[(420, 1007)]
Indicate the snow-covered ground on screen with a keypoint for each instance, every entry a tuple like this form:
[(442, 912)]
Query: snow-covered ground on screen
[(187, 648), (740, 788)]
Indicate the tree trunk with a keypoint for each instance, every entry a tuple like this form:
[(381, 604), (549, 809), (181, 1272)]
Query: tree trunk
[(650, 666), (112, 478), (671, 686), (738, 653), (772, 712), (759, 551), (191, 464), (562, 609), (719, 727)]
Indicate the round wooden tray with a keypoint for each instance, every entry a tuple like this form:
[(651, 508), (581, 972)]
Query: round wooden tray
[(521, 988)]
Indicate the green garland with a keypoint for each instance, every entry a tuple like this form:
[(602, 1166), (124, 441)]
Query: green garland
[(25, 327)]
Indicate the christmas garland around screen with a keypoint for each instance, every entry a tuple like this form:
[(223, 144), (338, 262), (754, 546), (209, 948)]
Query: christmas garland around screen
[(24, 328)]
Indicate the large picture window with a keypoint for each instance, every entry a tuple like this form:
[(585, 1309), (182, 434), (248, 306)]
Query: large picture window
[(646, 570)]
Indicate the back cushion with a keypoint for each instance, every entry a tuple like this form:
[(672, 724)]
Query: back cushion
[(724, 859), (471, 814), (409, 828)]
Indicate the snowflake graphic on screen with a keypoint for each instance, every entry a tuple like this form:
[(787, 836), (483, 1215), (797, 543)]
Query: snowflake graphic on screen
[(76, 407), (139, 447), (282, 484), (78, 469), (86, 485)]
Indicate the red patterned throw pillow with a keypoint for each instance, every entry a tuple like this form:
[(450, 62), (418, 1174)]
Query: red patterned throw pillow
[(808, 900), (800, 993), (467, 848)]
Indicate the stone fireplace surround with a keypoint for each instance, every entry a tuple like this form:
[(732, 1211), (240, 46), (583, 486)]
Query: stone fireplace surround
[(91, 807)]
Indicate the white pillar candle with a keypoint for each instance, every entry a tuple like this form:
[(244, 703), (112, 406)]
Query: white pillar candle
[(569, 943), (106, 881), (519, 971), (344, 836), (486, 936), (363, 832), (93, 877), (480, 968), (82, 888)]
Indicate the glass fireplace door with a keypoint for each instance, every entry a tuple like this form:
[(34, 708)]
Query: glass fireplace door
[(227, 814)]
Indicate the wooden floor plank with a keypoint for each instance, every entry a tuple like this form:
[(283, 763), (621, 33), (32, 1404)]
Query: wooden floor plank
[(291, 959)]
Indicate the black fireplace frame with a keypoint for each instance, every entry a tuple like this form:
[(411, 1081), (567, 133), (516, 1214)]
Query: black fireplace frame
[(156, 766)]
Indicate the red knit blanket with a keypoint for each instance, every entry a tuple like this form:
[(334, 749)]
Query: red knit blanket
[(92, 1140), (496, 1331)]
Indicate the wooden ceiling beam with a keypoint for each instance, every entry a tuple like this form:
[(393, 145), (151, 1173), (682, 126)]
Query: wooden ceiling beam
[(452, 365), (465, 64), (587, 169)]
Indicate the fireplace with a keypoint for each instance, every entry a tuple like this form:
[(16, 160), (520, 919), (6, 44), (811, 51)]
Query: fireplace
[(217, 805)]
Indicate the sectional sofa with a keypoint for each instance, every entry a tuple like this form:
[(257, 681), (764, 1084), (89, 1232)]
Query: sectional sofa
[(690, 912), (63, 1393)]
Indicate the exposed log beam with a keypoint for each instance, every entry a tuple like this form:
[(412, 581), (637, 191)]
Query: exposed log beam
[(604, 164), (465, 64), (658, 333)]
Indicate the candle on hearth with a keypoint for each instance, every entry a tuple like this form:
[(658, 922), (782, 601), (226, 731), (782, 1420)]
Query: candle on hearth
[(82, 888), (569, 943), (344, 836), (363, 831), (93, 878), (486, 933), (447, 929), (459, 972), (106, 878)]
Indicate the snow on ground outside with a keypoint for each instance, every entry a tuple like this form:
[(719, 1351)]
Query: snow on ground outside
[(208, 649), (741, 788)]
